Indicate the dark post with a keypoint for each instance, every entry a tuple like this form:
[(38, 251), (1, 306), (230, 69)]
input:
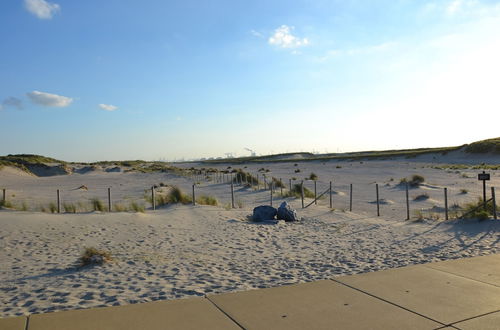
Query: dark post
[(378, 202), (446, 203), (271, 193), (153, 201), (265, 182), (58, 202), (331, 201), (4, 194), (232, 195), (281, 187), (109, 200), (407, 203), (302, 192), (494, 203), (350, 198), (290, 181), (315, 194), (194, 197), (484, 193)]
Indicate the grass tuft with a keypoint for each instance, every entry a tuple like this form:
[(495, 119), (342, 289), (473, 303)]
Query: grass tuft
[(207, 200), (93, 256), (97, 204)]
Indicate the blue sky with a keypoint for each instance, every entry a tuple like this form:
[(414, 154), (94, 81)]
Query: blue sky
[(154, 79)]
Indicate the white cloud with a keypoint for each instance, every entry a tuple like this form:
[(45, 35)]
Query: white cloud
[(108, 107), (41, 8), (49, 100), (283, 37)]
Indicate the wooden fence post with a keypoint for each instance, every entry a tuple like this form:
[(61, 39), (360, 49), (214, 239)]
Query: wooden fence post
[(271, 193), (315, 193), (378, 202), (331, 201), (58, 202), (350, 197), (153, 197), (281, 187), (302, 192), (493, 199), (109, 200), (232, 195), (407, 203), (290, 182), (194, 197), (446, 203), (4, 195)]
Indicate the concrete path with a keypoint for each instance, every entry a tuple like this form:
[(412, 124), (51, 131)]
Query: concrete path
[(457, 294)]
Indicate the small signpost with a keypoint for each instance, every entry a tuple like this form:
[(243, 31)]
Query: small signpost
[(484, 177)]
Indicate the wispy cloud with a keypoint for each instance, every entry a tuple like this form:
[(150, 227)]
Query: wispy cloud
[(108, 107), (283, 38), (41, 8), (49, 100), (13, 102), (256, 34)]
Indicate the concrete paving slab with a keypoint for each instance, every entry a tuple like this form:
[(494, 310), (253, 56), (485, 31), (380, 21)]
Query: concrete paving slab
[(485, 269), (13, 323), (195, 314), (316, 305), (441, 296), (487, 322)]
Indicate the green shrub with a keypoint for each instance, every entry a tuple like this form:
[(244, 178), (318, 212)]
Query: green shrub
[(463, 191), (313, 176)]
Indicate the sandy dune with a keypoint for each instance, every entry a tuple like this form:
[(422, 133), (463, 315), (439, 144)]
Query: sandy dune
[(180, 251)]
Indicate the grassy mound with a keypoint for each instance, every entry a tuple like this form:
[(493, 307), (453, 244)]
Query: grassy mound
[(484, 146)]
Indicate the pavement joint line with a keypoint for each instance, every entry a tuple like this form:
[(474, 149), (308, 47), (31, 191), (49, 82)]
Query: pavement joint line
[(469, 278), (390, 302), (474, 317), (222, 311)]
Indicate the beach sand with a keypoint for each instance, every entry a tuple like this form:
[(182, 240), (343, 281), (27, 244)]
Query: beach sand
[(180, 251)]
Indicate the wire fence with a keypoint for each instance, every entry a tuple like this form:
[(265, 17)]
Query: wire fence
[(398, 200)]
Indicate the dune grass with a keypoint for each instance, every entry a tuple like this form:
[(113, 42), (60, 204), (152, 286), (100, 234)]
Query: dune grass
[(474, 210), (296, 192), (484, 146), (94, 256), (207, 200), (97, 204)]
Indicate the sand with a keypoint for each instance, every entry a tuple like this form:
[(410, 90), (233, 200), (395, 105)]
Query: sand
[(182, 250)]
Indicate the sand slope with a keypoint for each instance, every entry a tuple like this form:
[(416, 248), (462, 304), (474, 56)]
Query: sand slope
[(187, 251)]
